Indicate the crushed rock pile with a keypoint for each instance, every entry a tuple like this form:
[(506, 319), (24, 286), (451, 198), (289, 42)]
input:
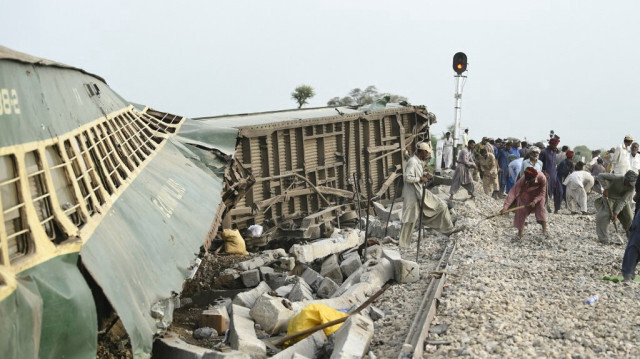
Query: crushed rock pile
[(526, 297), (510, 297)]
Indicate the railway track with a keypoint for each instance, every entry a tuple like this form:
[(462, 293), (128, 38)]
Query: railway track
[(415, 342)]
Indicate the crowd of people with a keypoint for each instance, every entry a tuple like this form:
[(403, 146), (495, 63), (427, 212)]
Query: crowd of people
[(533, 177)]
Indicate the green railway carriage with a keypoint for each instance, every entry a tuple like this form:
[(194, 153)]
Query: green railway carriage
[(100, 197)]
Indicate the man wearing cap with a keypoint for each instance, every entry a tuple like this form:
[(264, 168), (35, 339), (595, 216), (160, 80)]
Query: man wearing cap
[(620, 158), (463, 174), (578, 184), (434, 210), (614, 203), (529, 191), (532, 161), (465, 137), (447, 150), (549, 168)]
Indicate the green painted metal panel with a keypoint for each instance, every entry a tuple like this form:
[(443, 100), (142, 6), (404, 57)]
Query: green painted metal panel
[(141, 251), (40, 102), (51, 314)]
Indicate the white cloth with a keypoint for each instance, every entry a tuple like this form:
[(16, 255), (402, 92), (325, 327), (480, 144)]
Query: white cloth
[(412, 190), (447, 152), (465, 139), (620, 160), (578, 184), (634, 162)]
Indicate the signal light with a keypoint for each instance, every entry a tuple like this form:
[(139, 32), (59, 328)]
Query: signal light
[(460, 63)]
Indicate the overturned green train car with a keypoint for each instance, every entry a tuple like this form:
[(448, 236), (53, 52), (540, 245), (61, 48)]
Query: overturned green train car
[(100, 198)]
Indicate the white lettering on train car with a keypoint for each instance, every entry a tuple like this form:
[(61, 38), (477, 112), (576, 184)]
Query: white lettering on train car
[(9, 103)]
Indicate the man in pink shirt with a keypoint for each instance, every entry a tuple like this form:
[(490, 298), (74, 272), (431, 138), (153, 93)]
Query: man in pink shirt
[(530, 191)]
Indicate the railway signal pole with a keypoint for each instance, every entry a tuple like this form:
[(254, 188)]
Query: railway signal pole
[(459, 66)]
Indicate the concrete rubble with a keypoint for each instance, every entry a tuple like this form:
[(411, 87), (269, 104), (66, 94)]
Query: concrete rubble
[(264, 258), (331, 269), (279, 284), (327, 288), (306, 348), (242, 335), (248, 299), (382, 212), (300, 291), (353, 338), (170, 346), (272, 313), (338, 242)]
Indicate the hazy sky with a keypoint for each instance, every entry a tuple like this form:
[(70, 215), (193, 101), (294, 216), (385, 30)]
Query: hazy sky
[(533, 65)]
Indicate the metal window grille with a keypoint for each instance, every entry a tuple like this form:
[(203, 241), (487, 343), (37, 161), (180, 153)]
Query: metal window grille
[(17, 232), (63, 186), (41, 197)]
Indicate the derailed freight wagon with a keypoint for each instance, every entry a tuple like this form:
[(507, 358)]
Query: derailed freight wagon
[(310, 165), (104, 205)]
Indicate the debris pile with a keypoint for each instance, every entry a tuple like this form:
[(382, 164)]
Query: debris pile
[(273, 286)]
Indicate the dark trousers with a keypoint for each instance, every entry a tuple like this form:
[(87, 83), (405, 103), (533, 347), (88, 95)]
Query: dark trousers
[(503, 180), (632, 252), (555, 190), (630, 259)]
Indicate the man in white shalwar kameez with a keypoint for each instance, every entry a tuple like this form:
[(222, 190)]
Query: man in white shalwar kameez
[(435, 211), (447, 151), (621, 157), (578, 183)]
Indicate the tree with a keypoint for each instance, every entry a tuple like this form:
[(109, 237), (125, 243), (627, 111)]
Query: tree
[(584, 151), (358, 97), (302, 93), (345, 101)]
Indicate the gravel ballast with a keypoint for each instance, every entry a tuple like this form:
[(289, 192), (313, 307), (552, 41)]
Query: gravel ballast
[(510, 297)]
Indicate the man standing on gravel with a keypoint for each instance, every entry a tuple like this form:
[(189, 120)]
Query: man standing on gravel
[(434, 210), (614, 203), (447, 151), (621, 155), (463, 174), (487, 162), (578, 184), (529, 191), (549, 167)]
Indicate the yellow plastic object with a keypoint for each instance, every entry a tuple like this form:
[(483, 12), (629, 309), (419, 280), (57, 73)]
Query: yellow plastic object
[(233, 242), (312, 315)]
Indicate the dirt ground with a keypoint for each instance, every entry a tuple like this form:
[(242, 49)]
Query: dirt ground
[(205, 288), (208, 281)]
